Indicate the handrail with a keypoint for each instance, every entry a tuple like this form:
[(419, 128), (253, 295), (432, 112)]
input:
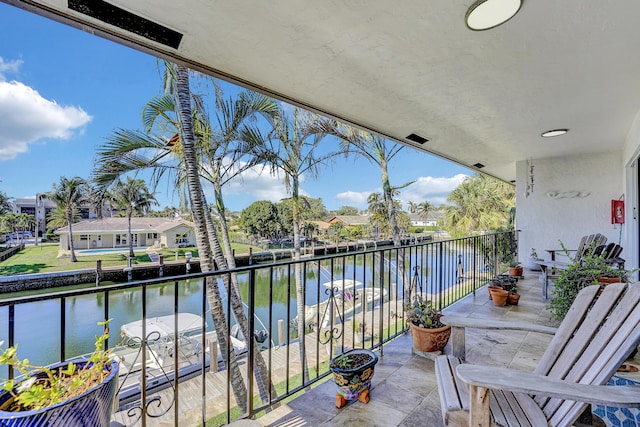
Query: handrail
[(367, 315)]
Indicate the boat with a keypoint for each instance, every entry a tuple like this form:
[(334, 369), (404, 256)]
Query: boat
[(345, 299), (159, 348)]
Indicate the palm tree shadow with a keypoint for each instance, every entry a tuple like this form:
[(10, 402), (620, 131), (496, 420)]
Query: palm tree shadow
[(21, 269)]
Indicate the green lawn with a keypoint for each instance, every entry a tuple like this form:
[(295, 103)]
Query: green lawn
[(44, 259)]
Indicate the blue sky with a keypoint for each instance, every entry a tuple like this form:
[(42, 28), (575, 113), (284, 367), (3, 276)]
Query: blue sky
[(63, 92)]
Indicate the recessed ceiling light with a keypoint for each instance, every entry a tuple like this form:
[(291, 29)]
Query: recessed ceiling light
[(486, 14), (554, 132)]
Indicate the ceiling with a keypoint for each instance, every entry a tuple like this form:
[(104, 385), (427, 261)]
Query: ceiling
[(409, 67)]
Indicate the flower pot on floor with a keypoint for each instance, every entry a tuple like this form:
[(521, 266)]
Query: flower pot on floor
[(515, 271), (491, 288), (499, 297), (352, 373), (512, 299), (429, 339)]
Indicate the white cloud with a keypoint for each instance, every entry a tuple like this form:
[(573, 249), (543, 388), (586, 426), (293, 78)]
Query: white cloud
[(433, 190), (11, 66), (354, 198), (26, 117), (259, 183)]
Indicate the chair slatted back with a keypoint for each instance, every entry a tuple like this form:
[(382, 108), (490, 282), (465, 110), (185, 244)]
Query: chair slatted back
[(594, 339), (588, 244)]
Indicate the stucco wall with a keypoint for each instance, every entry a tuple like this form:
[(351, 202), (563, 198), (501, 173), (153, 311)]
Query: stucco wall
[(544, 220)]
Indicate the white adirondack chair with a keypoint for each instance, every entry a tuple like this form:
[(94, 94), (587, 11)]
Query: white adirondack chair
[(594, 339)]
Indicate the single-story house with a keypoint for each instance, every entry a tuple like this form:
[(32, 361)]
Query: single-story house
[(431, 220), (349, 220), (113, 233)]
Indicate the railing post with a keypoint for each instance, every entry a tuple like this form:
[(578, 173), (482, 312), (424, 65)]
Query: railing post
[(250, 340)]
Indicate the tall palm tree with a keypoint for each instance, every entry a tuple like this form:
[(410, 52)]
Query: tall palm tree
[(68, 194), (380, 152), (291, 150), (131, 196), (169, 138)]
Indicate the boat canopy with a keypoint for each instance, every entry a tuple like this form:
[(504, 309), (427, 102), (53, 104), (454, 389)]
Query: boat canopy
[(165, 326)]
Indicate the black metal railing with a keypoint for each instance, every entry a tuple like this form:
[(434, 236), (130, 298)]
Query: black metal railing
[(350, 300)]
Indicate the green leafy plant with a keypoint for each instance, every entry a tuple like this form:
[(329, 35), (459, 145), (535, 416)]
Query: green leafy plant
[(39, 387), (533, 253), (342, 362), (422, 313), (575, 277)]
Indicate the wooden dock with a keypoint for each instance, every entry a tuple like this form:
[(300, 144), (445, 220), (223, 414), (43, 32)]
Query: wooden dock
[(282, 361)]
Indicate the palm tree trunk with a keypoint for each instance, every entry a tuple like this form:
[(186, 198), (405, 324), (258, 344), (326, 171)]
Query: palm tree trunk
[(203, 238), (300, 296), (235, 298), (395, 232), (73, 252), (130, 236)]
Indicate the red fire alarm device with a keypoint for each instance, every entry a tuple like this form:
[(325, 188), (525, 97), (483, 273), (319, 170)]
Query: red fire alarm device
[(617, 212)]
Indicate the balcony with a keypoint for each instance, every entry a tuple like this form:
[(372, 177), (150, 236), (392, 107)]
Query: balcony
[(341, 291)]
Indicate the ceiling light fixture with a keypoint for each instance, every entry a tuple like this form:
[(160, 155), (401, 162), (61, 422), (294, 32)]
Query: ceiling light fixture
[(487, 14), (554, 132)]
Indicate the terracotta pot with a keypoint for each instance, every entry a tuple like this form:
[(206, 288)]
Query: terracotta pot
[(608, 280), (512, 299), (492, 287), (515, 271), (499, 297), (429, 339)]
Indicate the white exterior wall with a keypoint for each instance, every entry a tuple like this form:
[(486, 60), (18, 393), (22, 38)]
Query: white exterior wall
[(631, 227), (543, 220)]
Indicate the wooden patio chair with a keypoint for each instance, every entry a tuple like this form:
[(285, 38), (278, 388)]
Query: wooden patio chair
[(592, 342), (586, 246)]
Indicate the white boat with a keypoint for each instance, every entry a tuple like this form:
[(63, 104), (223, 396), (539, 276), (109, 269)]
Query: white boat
[(347, 297), (160, 348)]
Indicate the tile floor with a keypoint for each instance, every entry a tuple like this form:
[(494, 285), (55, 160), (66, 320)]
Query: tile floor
[(404, 391)]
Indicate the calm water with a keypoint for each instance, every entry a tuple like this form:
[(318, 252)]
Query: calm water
[(38, 332)]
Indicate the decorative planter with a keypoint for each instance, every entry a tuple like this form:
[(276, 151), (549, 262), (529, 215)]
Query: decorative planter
[(499, 297), (92, 408), (429, 339), (512, 299), (515, 271), (354, 382)]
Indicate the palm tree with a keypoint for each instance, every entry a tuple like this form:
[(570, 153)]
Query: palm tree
[(291, 151), (479, 204), (68, 194), (413, 207), (131, 196), (423, 210), (177, 149), (381, 152)]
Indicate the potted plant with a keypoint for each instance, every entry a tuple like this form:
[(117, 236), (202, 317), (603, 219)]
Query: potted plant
[(515, 269), (514, 297), (532, 262), (352, 373), (499, 296), (584, 272), (71, 393), (427, 331)]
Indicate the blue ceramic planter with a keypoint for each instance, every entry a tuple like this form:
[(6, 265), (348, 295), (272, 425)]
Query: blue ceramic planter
[(90, 409)]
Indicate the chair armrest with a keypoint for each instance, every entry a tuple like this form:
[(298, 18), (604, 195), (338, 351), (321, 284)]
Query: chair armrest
[(526, 382), (460, 324), (472, 322)]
